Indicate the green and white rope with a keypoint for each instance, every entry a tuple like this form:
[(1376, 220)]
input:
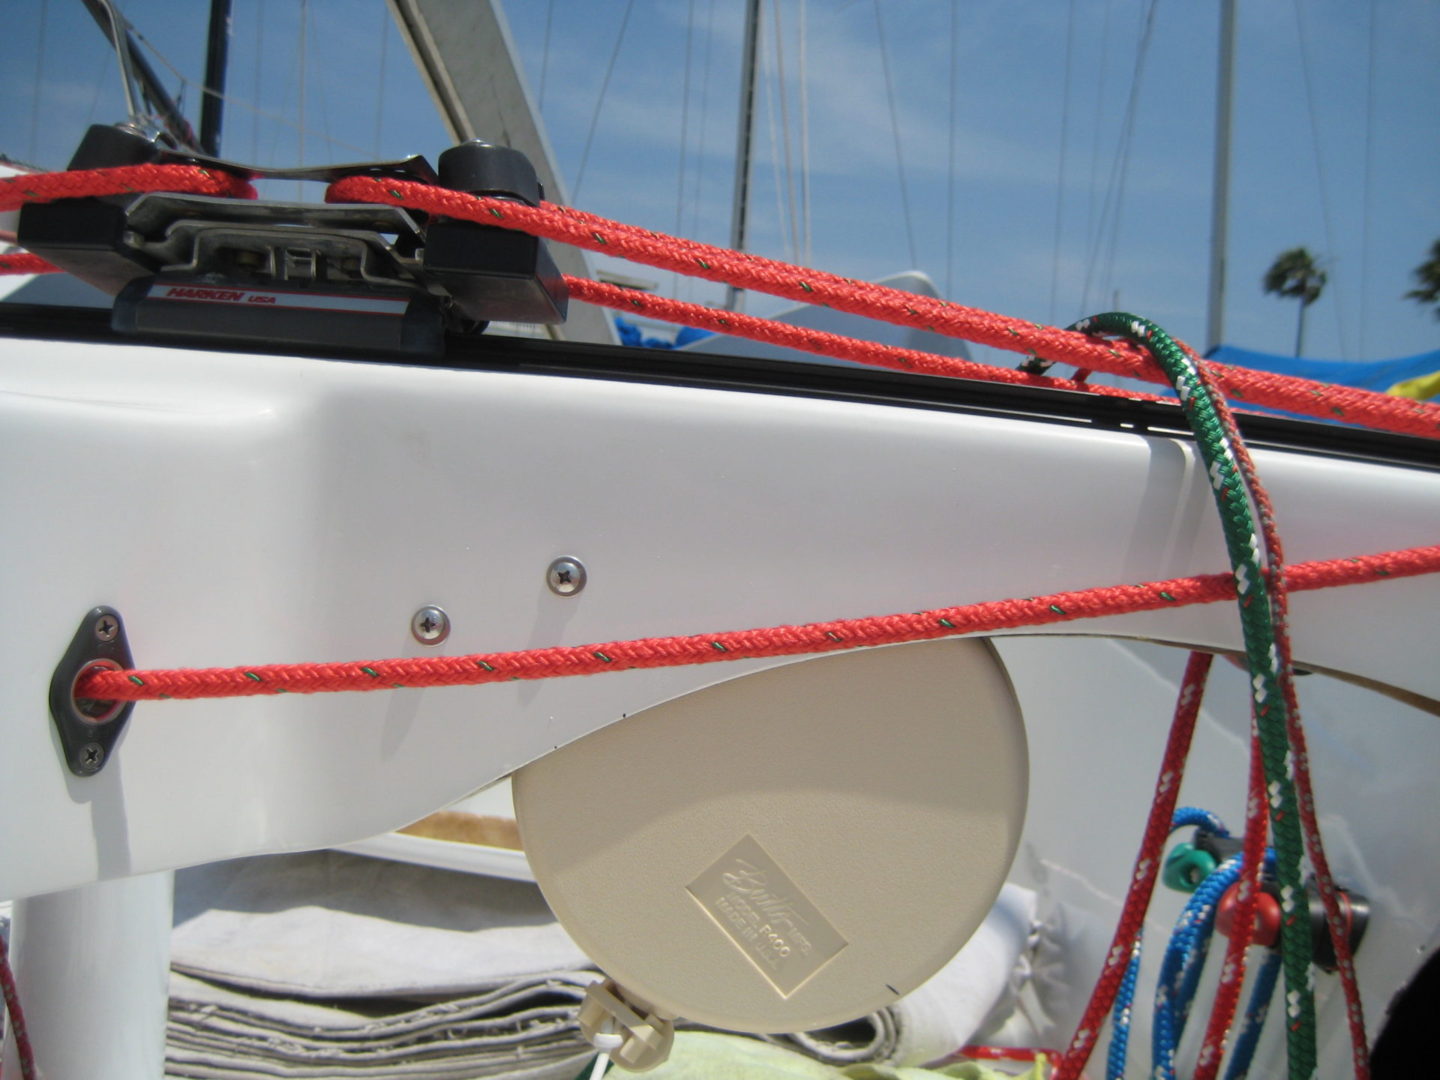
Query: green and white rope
[(1206, 414)]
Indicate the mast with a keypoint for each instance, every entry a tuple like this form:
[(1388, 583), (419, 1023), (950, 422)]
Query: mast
[(743, 140), (1220, 205), (217, 51)]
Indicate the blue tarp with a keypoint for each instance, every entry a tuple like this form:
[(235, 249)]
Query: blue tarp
[(1378, 375), (633, 334)]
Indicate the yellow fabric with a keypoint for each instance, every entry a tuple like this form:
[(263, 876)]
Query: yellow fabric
[(1422, 388)]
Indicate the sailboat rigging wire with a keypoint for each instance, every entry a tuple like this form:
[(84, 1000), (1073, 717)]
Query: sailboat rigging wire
[(260, 24), (600, 100), (304, 10), (684, 121), (320, 90), (380, 79), (1061, 161), (231, 100), (1370, 34), (806, 252), (1325, 215), (1112, 212), (1102, 68), (39, 71), (895, 131), (950, 156), (782, 91), (769, 90), (545, 51)]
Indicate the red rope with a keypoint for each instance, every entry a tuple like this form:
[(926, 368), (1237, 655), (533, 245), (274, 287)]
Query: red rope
[(594, 233), (18, 1032), (753, 272), (25, 263), (1147, 869), (1002, 1053), (821, 342), (16, 191), (1242, 934), (109, 685)]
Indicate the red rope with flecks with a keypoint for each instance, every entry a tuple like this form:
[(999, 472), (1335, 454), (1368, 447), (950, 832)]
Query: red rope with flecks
[(110, 685), (19, 1035), (820, 342), (594, 233), (1242, 934), (1002, 1053), (1147, 869), (25, 263), (16, 191)]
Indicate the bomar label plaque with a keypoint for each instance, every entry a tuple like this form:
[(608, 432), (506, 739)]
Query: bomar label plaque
[(766, 916)]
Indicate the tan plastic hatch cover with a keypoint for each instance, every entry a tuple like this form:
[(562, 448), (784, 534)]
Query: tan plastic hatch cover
[(792, 848)]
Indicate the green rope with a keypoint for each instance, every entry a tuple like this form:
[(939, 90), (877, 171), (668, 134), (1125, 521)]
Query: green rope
[(1206, 416)]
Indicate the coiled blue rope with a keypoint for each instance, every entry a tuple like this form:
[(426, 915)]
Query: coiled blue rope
[(1181, 968), (1185, 816), (1183, 963)]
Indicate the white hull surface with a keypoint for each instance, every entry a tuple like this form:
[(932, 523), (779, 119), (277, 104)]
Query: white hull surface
[(241, 509)]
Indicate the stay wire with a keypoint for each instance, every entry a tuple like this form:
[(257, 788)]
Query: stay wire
[(950, 154), (600, 100), (895, 132), (35, 83), (782, 91), (1107, 234), (1326, 217), (1060, 163), (684, 118)]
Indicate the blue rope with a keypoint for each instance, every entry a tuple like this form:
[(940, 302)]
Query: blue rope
[(1181, 969), (1184, 960), (1120, 1018), (1203, 819), (1125, 996), (1254, 1020)]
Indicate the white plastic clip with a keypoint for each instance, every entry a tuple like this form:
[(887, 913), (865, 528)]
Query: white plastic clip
[(636, 1035)]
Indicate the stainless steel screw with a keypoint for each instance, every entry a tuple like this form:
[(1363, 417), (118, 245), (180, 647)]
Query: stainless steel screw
[(106, 627), (566, 576), (430, 625), (92, 755)]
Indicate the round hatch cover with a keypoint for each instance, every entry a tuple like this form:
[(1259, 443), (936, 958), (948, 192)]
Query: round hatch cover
[(792, 848)]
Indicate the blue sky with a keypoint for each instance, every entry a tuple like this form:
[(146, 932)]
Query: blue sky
[(1009, 119)]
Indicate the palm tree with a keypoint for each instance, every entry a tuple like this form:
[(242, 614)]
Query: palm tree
[(1428, 275), (1296, 274)]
